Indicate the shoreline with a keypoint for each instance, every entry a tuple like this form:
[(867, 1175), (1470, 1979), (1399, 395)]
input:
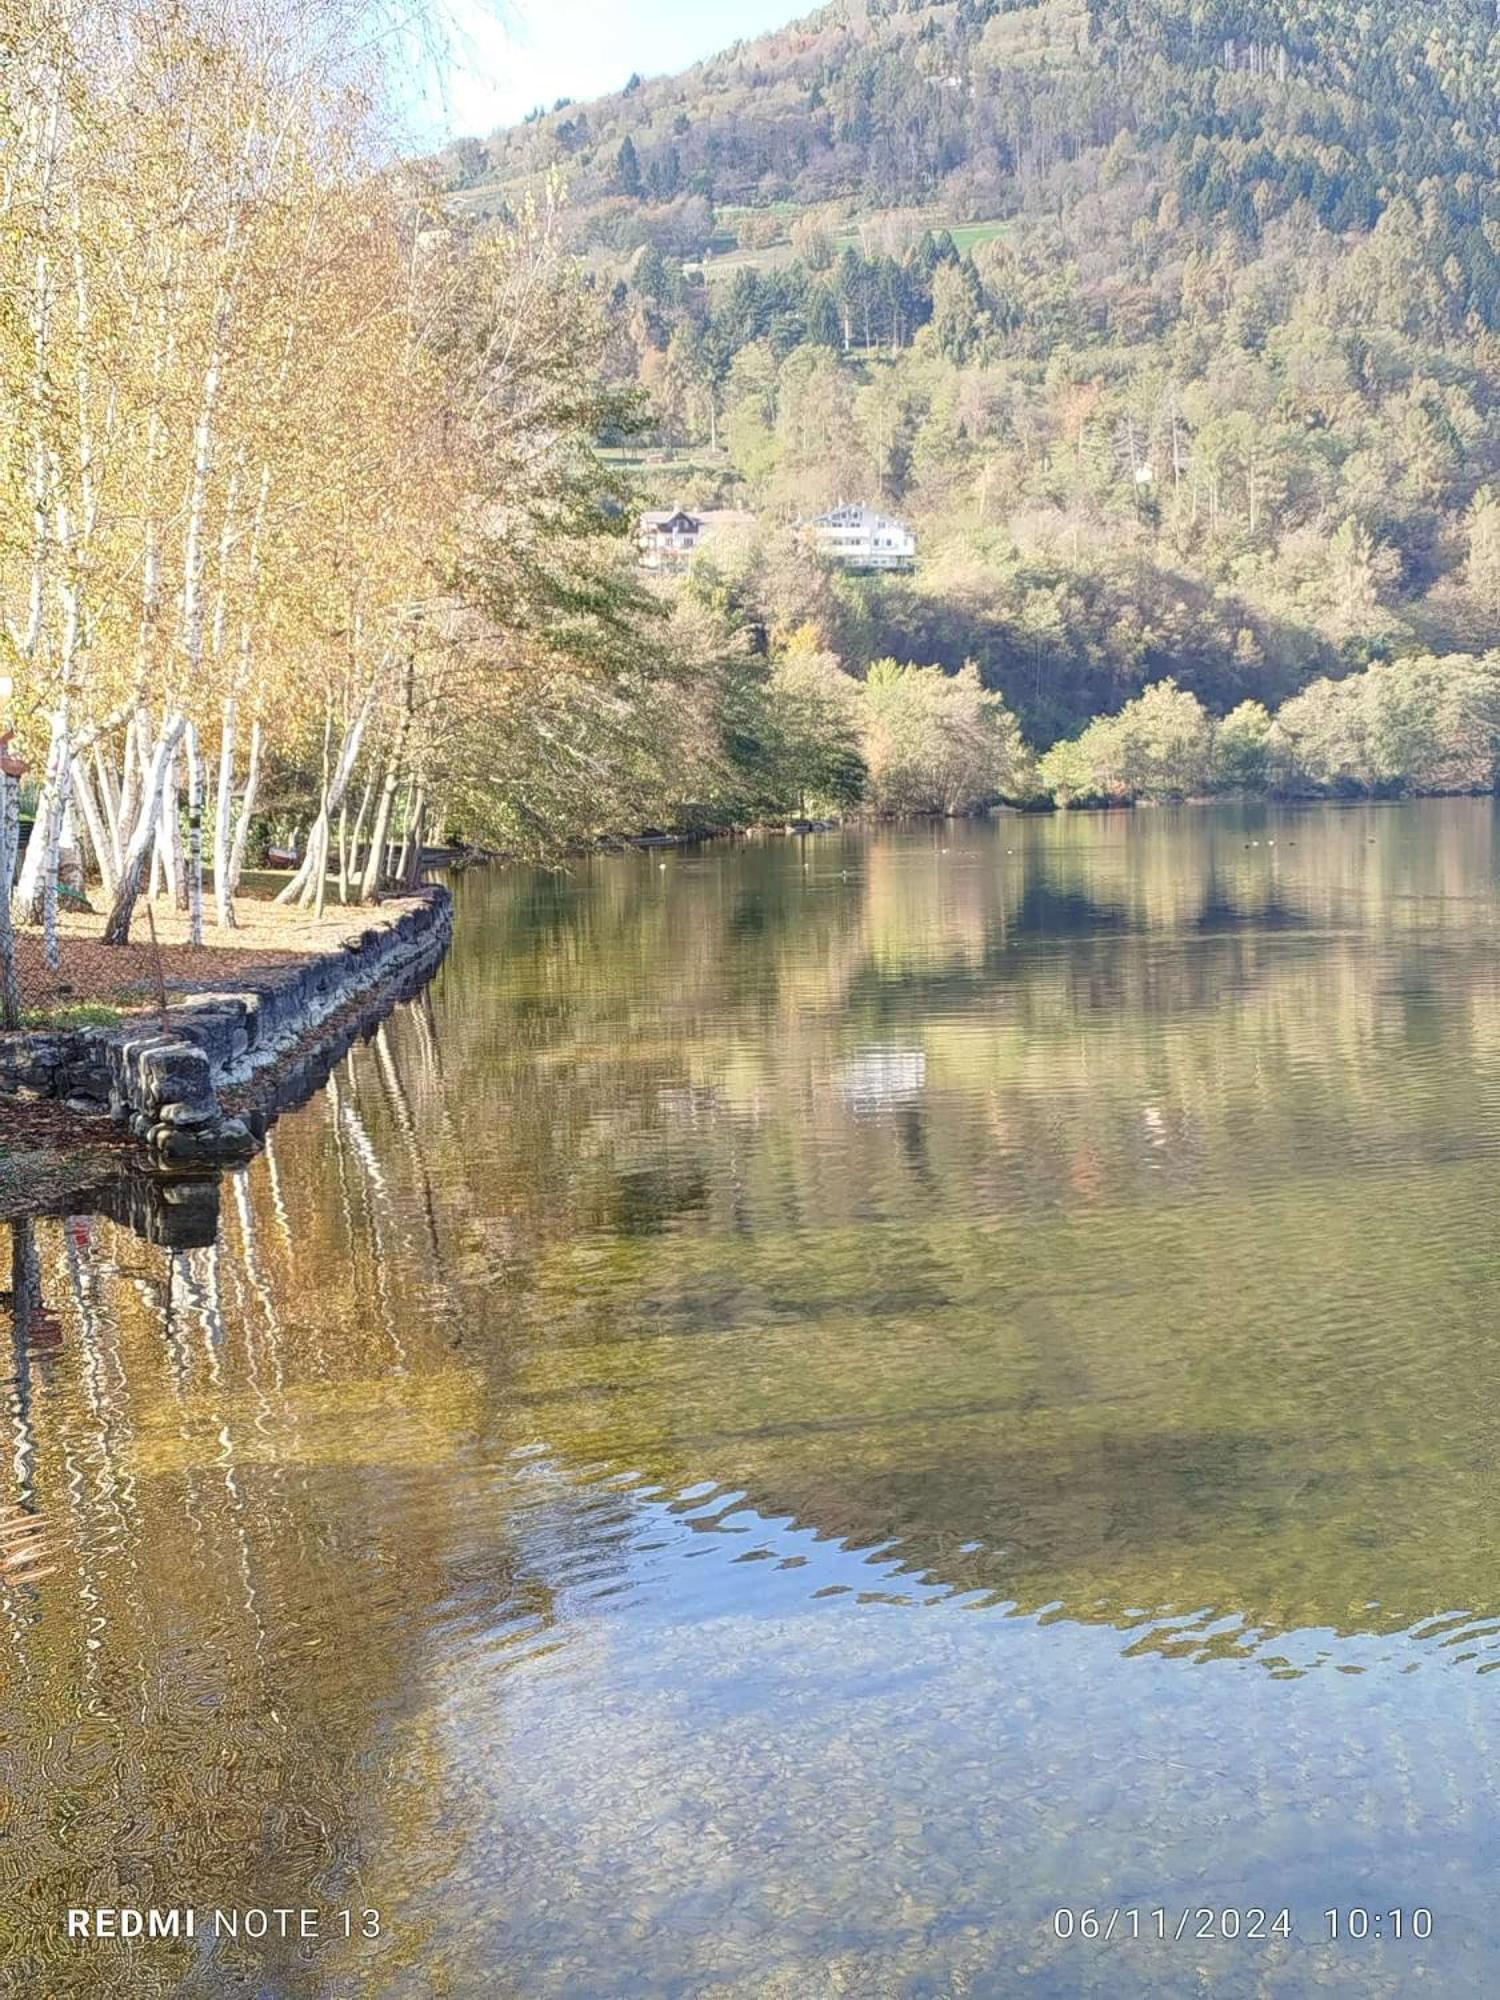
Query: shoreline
[(198, 1084)]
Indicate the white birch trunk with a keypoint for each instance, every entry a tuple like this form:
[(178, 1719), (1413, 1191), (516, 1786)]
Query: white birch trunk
[(197, 511), (51, 941), (10, 834), (408, 818), (117, 930), (356, 838), (303, 885), (109, 800), (344, 851), (375, 865), (411, 875), (223, 816), (165, 875), (100, 837), (176, 846), (247, 811), (130, 786), (41, 852), (156, 431), (27, 638), (195, 837)]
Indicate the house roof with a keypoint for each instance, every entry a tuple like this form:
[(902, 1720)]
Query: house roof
[(857, 514), (707, 517), (673, 517)]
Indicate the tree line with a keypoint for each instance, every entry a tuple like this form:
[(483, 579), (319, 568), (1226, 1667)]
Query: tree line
[(901, 738), (1402, 728), (304, 530)]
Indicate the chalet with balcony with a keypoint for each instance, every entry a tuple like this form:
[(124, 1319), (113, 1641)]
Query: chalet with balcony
[(669, 540), (857, 537)]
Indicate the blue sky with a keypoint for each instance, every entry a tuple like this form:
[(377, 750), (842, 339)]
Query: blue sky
[(507, 55)]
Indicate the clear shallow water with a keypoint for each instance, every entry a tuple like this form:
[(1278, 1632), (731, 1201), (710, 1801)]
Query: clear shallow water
[(808, 1408)]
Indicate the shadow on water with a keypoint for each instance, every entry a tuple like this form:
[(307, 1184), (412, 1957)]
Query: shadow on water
[(787, 1415)]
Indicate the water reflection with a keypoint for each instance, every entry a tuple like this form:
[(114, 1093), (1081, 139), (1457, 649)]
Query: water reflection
[(791, 1415)]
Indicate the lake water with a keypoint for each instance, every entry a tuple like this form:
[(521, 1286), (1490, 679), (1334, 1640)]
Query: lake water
[(811, 1407)]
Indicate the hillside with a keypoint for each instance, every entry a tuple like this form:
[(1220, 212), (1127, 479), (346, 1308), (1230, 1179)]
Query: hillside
[(989, 107), (1170, 323)]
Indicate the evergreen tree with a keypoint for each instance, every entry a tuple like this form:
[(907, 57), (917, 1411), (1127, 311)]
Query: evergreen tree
[(627, 168), (824, 327), (958, 311)]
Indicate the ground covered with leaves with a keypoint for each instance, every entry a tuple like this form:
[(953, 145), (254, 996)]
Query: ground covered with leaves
[(130, 978)]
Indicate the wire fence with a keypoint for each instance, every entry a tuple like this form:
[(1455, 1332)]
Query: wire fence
[(82, 978), (57, 968)]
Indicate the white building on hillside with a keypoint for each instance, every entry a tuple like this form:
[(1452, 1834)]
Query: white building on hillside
[(670, 538), (859, 538)]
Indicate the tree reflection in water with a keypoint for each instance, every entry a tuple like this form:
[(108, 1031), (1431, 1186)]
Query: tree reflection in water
[(836, 1335)]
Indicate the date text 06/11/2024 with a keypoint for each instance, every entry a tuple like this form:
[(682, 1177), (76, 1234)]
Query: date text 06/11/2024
[(1252, 1925)]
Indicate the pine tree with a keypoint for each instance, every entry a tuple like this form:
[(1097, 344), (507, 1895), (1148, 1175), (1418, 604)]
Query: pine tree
[(627, 168)]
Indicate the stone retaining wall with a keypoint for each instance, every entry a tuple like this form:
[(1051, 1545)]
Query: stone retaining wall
[(164, 1079)]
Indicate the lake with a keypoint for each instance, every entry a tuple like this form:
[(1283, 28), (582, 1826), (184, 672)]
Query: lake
[(812, 1413)]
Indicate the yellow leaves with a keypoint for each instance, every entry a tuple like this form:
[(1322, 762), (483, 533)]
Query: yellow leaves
[(220, 423)]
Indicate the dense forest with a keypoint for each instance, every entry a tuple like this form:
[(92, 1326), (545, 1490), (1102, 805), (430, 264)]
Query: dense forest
[(1173, 327)]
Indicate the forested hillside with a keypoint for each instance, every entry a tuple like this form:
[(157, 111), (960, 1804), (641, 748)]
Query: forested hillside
[(1171, 325), (1246, 107)]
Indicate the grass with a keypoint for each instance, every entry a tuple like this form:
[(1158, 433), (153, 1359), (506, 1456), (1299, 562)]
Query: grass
[(736, 211), (966, 235), (83, 1014), (646, 467)]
